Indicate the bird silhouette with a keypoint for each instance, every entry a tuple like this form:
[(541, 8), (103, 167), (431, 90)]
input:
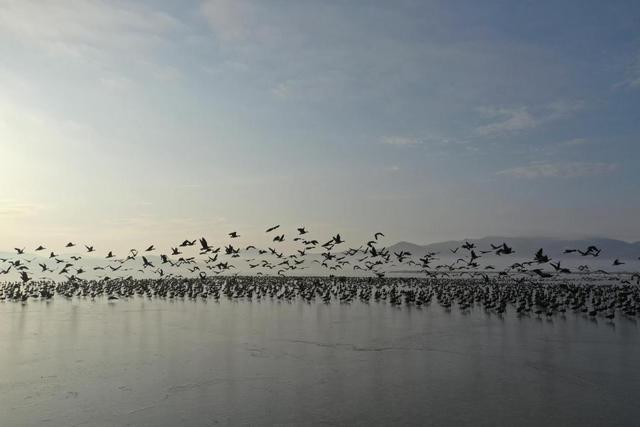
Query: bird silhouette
[(540, 257), (204, 246)]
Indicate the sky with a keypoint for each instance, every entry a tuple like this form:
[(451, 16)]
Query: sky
[(124, 123)]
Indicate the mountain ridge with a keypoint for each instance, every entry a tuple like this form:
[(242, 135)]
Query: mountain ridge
[(525, 246)]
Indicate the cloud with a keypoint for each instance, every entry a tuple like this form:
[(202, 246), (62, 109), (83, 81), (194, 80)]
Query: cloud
[(116, 82), (270, 25), (237, 22), (634, 82), (575, 142), (147, 224), (24, 127), (18, 209), (516, 119), (401, 141), (563, 170), (506, 120), (229, 19), (633, 74), (561, 109), (283, 90), (78, 27)]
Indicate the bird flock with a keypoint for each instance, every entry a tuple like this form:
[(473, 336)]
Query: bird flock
[(196, 269)]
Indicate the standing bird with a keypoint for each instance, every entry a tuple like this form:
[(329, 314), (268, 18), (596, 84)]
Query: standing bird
[(541, 258), (541, 273)]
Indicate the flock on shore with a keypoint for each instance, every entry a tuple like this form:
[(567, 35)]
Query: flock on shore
[(196, 269)]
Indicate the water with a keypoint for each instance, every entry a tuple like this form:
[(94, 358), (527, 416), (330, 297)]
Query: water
[(156, 362)]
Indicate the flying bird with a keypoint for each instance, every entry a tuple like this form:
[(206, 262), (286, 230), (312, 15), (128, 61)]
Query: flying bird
[(204, 246), (146, 263)]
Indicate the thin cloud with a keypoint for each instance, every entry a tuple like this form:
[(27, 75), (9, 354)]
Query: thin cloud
[(575, 142), (283, 90), (401, 141), (142, 223), (17, 209), (237, 22), (78, 27), (506, 120), (562, 109), (633, 75), (228, 19), (502, 121), (561, 170)]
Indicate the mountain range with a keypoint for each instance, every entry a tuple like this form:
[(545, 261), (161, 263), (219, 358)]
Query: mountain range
[(524, 250), (525, 247)]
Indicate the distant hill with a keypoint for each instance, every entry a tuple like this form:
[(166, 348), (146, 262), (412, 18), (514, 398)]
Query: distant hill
[(527, 246), (524, 247)]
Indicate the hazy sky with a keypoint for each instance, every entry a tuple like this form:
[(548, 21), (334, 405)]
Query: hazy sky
[(130, 122)]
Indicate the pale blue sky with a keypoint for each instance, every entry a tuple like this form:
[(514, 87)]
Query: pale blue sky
[(126, 122)]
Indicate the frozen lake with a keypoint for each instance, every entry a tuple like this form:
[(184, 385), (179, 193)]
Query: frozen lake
[(160, 362)]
